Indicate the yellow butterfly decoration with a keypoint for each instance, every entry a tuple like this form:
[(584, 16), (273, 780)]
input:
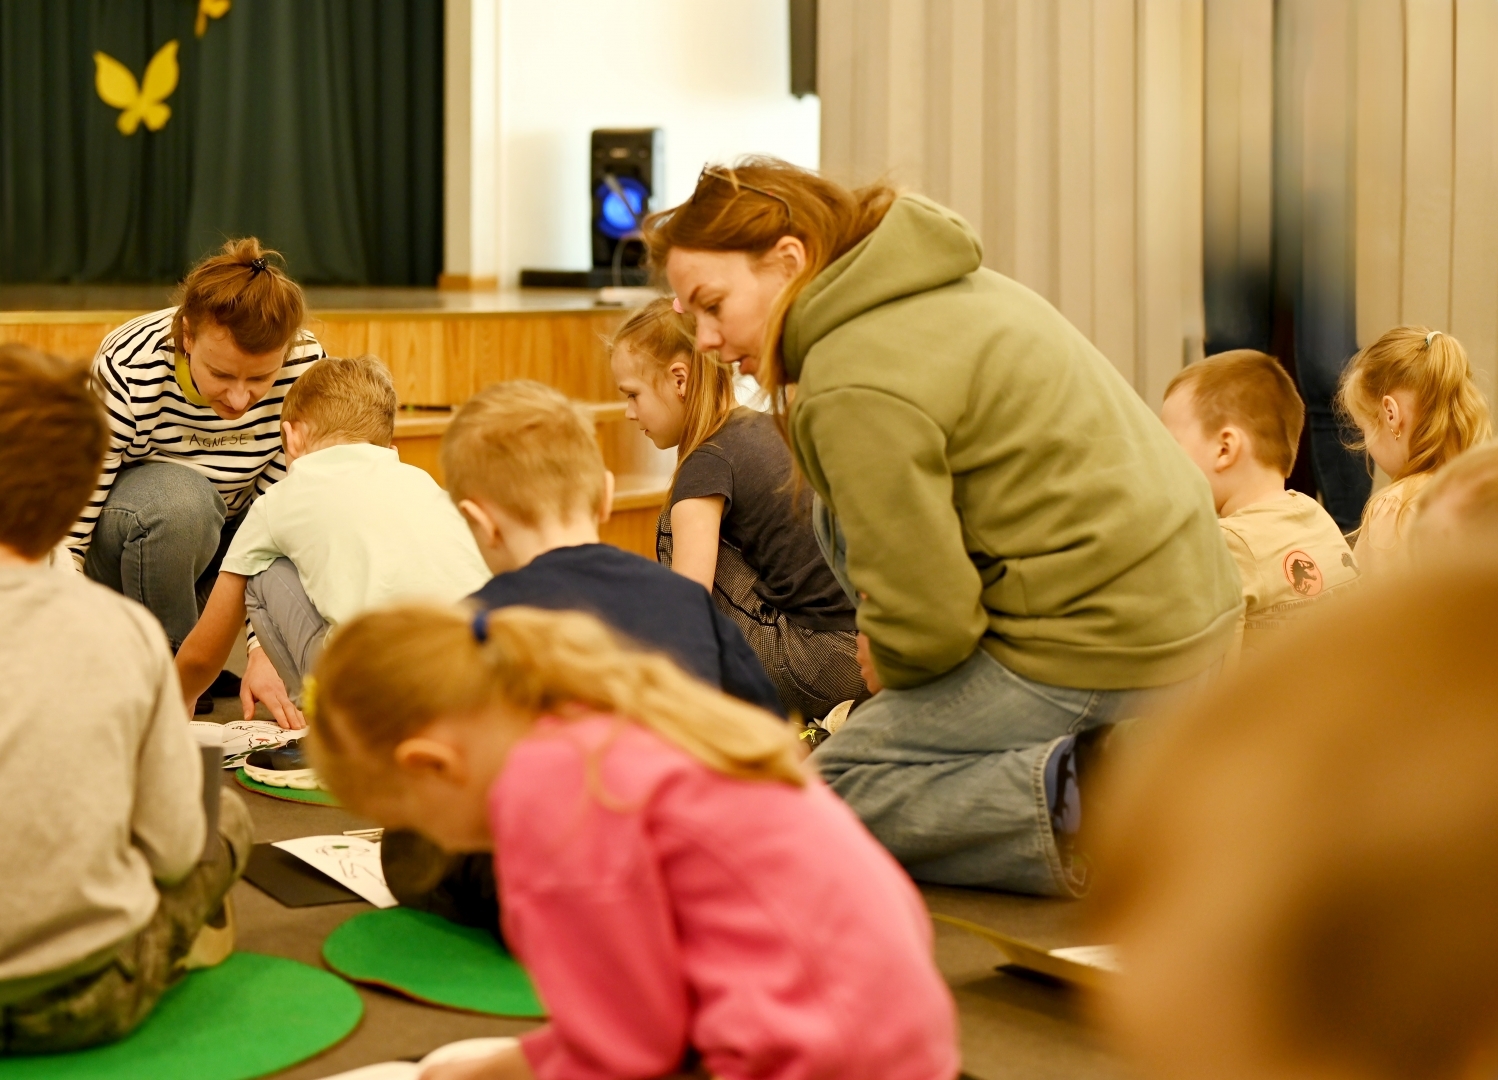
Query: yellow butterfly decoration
[(144, 101), (210, 9)]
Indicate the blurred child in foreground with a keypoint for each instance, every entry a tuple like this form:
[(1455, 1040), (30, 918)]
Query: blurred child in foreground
[(1300, 875)]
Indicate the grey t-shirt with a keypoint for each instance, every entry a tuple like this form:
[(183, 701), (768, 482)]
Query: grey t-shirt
[(747, 462)]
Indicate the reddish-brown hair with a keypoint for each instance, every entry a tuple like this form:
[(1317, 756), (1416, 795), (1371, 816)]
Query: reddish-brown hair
[(52, 441), (1247, 389), (245, 290), (748, 207)]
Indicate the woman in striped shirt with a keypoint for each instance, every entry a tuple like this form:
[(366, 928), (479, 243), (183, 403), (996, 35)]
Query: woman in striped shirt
[(194, 398)]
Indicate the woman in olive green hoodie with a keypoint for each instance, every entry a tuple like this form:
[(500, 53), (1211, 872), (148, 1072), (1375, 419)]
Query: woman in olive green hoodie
[(1032, 551)]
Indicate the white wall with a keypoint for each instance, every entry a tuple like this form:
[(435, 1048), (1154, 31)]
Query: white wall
[(714, 74)]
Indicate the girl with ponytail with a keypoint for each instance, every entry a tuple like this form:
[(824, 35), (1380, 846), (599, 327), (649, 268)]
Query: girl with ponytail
[(734, 521), (1412, 398), (651, 846)]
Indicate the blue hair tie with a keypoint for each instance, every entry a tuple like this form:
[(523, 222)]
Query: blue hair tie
[(480, 627)]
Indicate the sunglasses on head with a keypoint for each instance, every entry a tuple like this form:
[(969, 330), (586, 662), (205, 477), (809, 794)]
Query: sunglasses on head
[(730, 177)]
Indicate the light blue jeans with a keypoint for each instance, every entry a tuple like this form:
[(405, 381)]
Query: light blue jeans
[(160, 535), (950, 776)]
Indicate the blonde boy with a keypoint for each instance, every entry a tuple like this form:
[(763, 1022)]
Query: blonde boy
[(1238, 416), (102, 825), (350, 528)]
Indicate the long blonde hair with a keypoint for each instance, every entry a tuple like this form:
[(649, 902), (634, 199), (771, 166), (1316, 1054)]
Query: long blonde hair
[(388, 674), (660, 335), (748, 207)]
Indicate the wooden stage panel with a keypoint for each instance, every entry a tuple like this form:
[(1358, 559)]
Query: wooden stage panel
[(445, 359)]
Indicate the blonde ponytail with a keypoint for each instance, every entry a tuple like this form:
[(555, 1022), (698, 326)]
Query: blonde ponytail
[(388, 674)]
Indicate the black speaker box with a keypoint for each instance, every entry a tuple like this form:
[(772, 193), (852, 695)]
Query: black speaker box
[(625, 177)]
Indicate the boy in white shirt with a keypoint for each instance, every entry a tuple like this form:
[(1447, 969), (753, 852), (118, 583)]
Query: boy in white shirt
[(108, 885), (349, 529), (1238, 416)]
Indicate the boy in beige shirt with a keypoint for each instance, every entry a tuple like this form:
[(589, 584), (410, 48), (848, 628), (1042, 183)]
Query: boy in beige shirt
[(1238, 416)]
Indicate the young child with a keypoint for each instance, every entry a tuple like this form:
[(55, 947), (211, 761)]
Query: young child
[(650, 838), (107, 882), (1413, 400), (1238, 416), (523, 466), (1298, 875), (350, 528), (734, 523)]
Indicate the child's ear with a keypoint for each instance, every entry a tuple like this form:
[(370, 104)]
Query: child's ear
[(606, 504), (482, 521), (678, 373), (294, 438), (1229, 448), (422, 757)]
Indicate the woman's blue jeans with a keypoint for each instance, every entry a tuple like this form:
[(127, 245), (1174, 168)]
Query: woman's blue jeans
[(162, 532), (950, 776)]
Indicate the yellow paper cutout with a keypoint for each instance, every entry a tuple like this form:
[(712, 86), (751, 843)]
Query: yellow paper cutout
[(184, 380), (210, 9), (145, 101)]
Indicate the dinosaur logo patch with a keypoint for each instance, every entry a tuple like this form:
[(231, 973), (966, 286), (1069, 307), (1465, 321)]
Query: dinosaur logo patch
[(1303, 574)]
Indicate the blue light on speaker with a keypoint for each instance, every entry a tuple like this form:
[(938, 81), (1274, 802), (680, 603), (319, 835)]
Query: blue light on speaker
[(618, 218)]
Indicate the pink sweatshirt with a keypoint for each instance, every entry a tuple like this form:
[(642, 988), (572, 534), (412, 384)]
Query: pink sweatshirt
[(662, 906)]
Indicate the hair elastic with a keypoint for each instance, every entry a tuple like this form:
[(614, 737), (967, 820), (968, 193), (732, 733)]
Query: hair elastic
[(676, 305), (1431, 337), (256, 266), (480, 627)]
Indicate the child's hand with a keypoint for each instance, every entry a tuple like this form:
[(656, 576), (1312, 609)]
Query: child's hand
[(506, 1064), (866, 665), (261, 683)]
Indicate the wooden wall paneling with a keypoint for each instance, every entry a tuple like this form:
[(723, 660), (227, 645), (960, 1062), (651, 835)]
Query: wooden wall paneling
[(1379, 183), (66, 338), (632, 530), (1428, 153), (1115, 293), (1474, 215)]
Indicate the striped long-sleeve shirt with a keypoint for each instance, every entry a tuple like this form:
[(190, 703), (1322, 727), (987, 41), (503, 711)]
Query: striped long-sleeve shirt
[(151, 419)]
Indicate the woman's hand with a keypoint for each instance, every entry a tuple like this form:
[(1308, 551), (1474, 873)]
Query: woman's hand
[(261, 683), (866, 665), (507, 1064)]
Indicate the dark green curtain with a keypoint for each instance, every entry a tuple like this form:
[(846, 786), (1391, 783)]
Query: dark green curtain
[(312, 124)]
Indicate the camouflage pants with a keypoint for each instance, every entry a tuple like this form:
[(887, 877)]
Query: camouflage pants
[(108, 1004), (812, 670)]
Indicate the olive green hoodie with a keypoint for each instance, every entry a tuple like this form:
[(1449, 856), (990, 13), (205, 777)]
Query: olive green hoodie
[(997, 481)]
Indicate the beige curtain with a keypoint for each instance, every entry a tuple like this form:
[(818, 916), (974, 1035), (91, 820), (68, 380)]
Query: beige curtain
[(1427, 171), (1068, 132)]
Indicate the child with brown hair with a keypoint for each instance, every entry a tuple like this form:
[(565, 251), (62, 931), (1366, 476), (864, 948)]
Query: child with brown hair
[(350, 528), (1238, 417), (1299, 875), (734, 522), (108, 884), (1412, 398), (649, 838)]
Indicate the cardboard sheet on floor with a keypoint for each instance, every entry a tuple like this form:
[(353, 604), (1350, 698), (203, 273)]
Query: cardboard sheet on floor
[(432, 960), (293, 882), (318, 797), (251, 1016)]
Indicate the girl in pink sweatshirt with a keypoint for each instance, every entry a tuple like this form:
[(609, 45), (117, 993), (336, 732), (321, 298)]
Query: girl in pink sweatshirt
[(682, 892)]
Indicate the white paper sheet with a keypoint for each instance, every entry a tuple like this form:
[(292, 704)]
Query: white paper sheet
[(349, 860), (1097, 956), (244, 737)]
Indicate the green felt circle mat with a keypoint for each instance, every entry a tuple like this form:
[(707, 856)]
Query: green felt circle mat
[(318, 797), (430, 959), (251, 1016)]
